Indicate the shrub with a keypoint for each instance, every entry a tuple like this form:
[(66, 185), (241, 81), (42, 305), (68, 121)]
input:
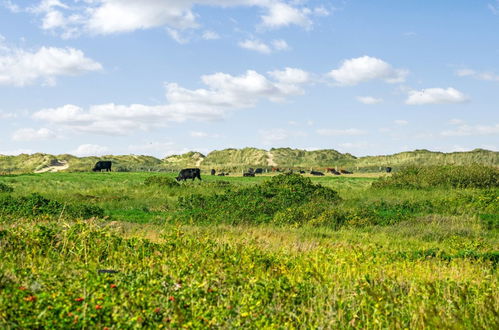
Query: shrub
[(5, 188), (36, 205), (448, 176), (158, 180), (256, 204)]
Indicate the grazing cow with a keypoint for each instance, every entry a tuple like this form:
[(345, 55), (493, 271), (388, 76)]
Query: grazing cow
[(345, 172), (102, 165), (276, 169), (388, 169), (332, 171), (259, 171), (249, 174), (221, 174), (189, 173), (316, 173), (302, 172), (213, 171)]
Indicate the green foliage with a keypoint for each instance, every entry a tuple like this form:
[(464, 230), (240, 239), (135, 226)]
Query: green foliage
[(413, 177), (216, 278), (256, 204), (5, 188), (35, 205), (163, 181)]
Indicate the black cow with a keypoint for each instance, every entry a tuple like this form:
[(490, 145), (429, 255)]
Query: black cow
[(346, 172), (249, 174), (102, 165), (213, 171), (388, 169), (259, 171), (302, 172), (316, 173), (221, 174), (189, 173)]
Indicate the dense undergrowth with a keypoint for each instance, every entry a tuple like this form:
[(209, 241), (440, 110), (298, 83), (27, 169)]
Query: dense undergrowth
[(219, 278), (451, 176), (280, 252)]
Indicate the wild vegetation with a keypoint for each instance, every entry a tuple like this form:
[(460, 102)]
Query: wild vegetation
[(96, 250), (239, 160)]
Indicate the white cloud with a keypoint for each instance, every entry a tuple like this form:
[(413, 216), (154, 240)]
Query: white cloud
[(20, 68), (261, 47), (369, 100), (223, 94), (280, 44), (272, 137), (120, 16), (210, 35), (256, 46), (16, 152), (177, 36), (340, 132), (281, 14), (7, 115), (400, 122), (90, 150), (199, 134), (436, 96), (366, 68), (488, 76), (291, 76), (494, 7), (30, 134), (352, 145), (468, 130), (456, 121)]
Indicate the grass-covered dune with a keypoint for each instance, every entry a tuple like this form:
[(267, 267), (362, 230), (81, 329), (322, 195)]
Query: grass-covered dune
[(238, 160), (129, 250)]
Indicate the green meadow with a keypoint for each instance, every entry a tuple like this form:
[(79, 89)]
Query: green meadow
[(417, 249)]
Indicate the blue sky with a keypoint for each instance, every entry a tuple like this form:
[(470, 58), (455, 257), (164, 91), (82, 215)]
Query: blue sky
[(158, 77)]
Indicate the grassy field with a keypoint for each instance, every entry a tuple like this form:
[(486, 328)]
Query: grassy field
[(263, 252)]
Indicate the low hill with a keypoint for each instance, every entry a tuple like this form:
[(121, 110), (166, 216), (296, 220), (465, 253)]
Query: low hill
[(232, 159)]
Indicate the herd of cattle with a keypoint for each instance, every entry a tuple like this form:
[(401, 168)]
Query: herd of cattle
[(193, 173)]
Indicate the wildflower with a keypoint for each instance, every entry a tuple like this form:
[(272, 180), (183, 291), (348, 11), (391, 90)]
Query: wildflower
[(22, 288), (98, 306), (112, 286), (79, 299), (171, 298), (210, 290), (157, 310), (30, 298)]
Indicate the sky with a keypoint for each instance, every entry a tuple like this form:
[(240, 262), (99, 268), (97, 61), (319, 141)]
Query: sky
[(162, 77)]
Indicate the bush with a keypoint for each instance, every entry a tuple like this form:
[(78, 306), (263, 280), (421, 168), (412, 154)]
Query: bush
[(256, 204), (449, 176), (158, 180), (35, 205), (5, 188)]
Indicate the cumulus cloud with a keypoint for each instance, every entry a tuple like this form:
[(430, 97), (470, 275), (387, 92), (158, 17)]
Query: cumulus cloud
[(20, 68), (30, 134), (340, 132), (200, 134), (436, 96), (361, 69), (90, 150), (369, 100), (223, 94), (470, 130), (71, 18), (488, 76), (272, 137), (261, 47), (210, 35)]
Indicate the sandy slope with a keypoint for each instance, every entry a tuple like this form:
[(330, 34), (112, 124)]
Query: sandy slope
[(62, 165)]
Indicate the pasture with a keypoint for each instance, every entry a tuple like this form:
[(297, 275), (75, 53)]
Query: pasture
[(128, 250)]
